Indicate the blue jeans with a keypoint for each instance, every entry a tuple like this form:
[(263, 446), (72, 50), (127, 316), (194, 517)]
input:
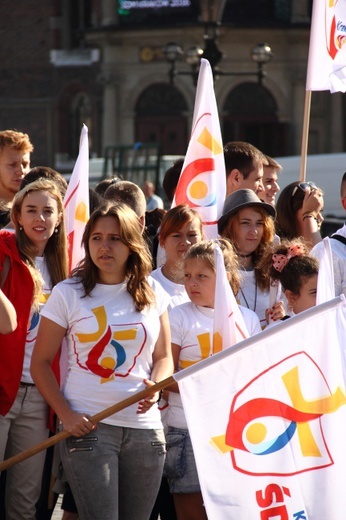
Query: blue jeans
[(180, 466), (114, 472)]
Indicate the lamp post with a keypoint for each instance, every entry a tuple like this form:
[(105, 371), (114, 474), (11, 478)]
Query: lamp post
[(260, 54)]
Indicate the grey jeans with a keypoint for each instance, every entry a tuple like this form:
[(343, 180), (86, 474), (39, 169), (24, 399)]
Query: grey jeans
[(23, 427), (114, 472)]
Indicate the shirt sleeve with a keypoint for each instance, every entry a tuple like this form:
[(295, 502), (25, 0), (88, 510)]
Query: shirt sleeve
[(251, 320), (175, 321), (162, 297), (56, 308)]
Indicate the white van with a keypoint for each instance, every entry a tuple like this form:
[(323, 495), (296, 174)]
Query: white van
[(325, 171)]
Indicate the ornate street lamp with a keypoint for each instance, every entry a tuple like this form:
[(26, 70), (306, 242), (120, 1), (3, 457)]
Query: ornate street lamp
[(260, 54)]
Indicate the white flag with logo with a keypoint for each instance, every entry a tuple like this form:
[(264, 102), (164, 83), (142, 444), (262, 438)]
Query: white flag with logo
[(267, 421), (327, 50), (202, 182), (76, 201)]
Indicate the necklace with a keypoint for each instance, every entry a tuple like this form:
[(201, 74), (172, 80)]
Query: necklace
[(244, 256), (245, 300), (173, 276)]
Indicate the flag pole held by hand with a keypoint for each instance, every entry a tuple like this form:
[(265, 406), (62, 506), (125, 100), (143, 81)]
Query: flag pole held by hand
[(8, 463)]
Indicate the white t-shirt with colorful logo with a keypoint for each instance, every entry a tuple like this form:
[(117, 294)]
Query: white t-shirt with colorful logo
[(192, 330), (110, 347)]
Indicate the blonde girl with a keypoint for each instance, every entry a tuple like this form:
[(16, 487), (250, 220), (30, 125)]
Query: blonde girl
[(32, 259), (192, 328)]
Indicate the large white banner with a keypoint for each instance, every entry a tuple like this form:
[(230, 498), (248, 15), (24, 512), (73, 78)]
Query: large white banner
[(267, 420)]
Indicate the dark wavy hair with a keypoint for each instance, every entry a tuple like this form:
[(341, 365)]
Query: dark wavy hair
[(297, 270), (286, 211)]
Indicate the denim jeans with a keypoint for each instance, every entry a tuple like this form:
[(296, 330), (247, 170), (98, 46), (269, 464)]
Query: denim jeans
[(180, 466), (114, 472), (24, 426)]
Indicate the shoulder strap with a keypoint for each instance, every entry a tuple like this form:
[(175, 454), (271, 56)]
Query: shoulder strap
[(340, 238), (5, 270)]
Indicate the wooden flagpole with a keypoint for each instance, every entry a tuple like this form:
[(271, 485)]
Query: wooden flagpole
[(8, 463), (305, 136)]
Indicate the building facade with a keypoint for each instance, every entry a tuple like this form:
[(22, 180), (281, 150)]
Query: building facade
[(99, 62)]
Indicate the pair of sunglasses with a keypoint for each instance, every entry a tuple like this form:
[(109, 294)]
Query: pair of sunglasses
[(303, 186)]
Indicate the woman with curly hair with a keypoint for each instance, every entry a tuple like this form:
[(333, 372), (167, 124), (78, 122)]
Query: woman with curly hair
[(249, 225), (118, 343)]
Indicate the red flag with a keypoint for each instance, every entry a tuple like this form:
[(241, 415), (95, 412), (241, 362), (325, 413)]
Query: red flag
[(76, 201), (202, 182)]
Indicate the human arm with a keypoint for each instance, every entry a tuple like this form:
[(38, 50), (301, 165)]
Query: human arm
[(8, 321), (162, 363), (310, 217), (174, 387), (48, 341)]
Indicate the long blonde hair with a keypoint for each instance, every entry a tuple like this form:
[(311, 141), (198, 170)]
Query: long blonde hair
[(56, 249), (204, 250)]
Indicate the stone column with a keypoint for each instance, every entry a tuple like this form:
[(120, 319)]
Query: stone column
[(110, 110), (109, 13)]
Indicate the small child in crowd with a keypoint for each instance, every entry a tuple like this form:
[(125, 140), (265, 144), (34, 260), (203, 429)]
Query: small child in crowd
[(192, 339), (290, 264)]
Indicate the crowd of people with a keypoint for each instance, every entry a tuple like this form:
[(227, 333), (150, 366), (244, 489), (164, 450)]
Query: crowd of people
[(137, 308)]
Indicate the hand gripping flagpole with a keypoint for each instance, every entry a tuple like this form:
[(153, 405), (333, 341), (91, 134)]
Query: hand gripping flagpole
[(107, 412)]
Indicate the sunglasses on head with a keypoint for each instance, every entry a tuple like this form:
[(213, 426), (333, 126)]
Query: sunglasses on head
[(303, 186)]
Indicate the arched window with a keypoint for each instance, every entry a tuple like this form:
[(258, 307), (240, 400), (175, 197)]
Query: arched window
[(74, 108), (250, 114), (160, 117)]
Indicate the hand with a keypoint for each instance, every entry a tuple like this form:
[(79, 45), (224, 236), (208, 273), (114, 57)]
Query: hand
[(77, 424), (147, 403), (313, 202), (276, 312)]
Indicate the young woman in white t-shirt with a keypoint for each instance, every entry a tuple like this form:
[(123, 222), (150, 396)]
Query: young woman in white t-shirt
[(192, 325), (32, 260), (180, 228), (118, 342), (249, 225)]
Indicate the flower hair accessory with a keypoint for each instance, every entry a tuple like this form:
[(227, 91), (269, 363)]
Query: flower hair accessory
[(280, 261)]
